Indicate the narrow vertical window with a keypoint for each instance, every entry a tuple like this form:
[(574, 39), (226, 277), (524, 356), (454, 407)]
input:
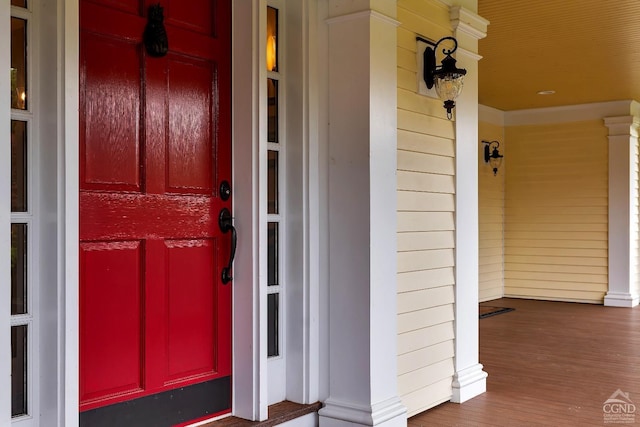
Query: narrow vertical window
[(18, 63), (272, 110), (275, 209), (22, 218), (272, 254), (273, 333), (18, 166), (272, 181), (272, 34), (18, 370), (18, 269)]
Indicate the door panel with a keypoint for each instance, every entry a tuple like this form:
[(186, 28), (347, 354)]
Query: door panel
[(111, 94), (191, 118), (111, 307), (191, 327), (154, 146)]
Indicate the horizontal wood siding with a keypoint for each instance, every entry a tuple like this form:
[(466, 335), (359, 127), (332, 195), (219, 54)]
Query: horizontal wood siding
[(556, 212), (491, 217), (426, 208)]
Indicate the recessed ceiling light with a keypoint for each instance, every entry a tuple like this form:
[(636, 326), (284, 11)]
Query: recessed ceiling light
[(546, 92)]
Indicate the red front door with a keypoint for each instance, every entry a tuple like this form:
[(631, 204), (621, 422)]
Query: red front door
[(155, 317)]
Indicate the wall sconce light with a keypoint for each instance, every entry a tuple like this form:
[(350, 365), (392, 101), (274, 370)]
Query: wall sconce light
[(447, 78), (492, 155)]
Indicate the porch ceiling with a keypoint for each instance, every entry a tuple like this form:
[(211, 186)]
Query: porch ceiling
[(585, 50)]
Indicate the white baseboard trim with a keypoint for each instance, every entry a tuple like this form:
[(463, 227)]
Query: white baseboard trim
[(619, 299), (389, 413), (469, 383)]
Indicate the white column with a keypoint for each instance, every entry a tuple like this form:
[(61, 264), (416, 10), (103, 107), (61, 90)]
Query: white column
[(469, 378), (249, 194), (623, 211), (362, 216)]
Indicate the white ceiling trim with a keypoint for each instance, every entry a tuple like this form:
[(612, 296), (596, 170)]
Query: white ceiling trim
[(562, 114), (568, 113), (490, 115)]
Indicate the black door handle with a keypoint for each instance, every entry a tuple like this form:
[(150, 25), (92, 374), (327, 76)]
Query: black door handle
[(225, 222)]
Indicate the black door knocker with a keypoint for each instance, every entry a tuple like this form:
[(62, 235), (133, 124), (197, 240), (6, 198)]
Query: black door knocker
[(155, 35)]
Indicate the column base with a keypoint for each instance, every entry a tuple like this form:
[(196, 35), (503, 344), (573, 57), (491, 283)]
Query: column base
[(469, 383), (390, 413), (621, 299)]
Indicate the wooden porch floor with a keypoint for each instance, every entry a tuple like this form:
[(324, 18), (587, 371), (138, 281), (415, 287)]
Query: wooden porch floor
[(549, 364)]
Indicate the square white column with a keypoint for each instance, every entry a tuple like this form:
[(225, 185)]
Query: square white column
[(362, 216), (623, 211), (469, 378)]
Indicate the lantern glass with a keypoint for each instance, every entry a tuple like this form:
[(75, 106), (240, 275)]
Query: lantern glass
[(448, 87)]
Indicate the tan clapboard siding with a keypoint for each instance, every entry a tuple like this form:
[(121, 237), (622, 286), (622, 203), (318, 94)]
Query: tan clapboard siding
[(430, 355), (415, 380), (428, 397), (552, 261), (413, 181), (413, 201), (425, 240), (426, 220), (425, 337), (491, 218), (552, 294), (421, 319), (556, 212), (425, 260), (409, 302), (420, 143), (425, 279)]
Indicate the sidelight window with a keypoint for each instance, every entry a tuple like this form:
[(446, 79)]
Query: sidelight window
[(274, 196), (22, 218)]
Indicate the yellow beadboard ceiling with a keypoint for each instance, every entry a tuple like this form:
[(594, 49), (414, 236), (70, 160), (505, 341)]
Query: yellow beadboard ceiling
[(585, 50)]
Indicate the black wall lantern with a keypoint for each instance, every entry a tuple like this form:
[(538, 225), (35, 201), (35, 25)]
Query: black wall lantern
[(447, 78), (492, 155)]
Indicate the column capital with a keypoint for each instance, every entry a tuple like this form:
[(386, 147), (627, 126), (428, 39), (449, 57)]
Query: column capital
[(468, 22), (622, 125)]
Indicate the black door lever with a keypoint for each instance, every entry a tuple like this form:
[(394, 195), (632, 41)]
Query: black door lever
[(225, 222)]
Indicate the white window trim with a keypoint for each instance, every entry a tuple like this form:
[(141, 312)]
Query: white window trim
[(5, 216), (276, 365)]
